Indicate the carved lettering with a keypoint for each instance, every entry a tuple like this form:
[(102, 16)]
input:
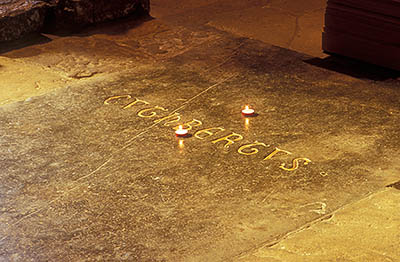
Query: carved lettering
[(295, 164), (175, 119), (230, 139), (137, 101), (142, 112), (204, 133), (250, 148), (190, 125), (107, 101), (276, 151)]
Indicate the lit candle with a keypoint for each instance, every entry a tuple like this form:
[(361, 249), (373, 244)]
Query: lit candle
[(247, 111), (181, 131)]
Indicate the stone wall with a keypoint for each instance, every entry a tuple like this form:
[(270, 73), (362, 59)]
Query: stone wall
[(366, 30), (21, 17)]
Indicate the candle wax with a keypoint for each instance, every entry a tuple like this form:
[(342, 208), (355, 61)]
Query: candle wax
[(181, 131), (247, 111)]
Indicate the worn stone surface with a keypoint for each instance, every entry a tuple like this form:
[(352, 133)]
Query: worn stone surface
[(20, 80), (86, 177), (296, 25), (367, 231)]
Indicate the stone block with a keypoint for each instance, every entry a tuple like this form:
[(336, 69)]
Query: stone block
[(18, 18), (71, 14), (365, 30)]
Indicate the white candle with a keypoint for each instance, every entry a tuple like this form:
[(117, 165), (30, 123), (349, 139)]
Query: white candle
[(247, 111), (181, 131)]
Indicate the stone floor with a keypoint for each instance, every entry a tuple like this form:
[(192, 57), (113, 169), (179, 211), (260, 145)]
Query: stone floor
[(296, 25), (91, 169)]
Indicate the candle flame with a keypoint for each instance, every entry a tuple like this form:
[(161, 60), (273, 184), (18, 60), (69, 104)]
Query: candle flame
[(246, 107), (180, 127)]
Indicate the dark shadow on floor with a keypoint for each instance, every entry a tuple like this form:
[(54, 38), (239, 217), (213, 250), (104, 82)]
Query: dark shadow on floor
[(115, 27), (118, 26), (354, 68), (28, 40), (395, 185)]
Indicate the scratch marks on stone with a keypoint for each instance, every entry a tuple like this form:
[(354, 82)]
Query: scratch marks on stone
[(285, 236), (59, 197), (376, 253), (203, 92), (295, 33), (321, 210), (267, 196), (323, 218), (234, 53), (112, 156)]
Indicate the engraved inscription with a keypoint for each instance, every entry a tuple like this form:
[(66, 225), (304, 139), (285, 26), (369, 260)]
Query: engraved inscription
[(276, 151), (295, 164), (230, 139), (107, 101), (170, 119), (137, 101), (174, 120), (250, 149), (204, 133), (190, 125), (144, 112)]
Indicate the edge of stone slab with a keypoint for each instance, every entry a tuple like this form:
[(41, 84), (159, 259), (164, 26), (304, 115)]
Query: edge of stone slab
[(316, 221)]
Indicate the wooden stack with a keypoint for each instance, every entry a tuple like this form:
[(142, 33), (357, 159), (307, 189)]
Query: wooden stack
[(368, 30)]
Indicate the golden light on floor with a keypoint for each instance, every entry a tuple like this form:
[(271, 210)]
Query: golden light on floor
[(246, 123), (181, 144)]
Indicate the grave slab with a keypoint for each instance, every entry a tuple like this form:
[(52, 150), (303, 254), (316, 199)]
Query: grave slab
[(94, 172)]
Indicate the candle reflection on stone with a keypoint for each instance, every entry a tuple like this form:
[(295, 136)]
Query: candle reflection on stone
[(246, 123)]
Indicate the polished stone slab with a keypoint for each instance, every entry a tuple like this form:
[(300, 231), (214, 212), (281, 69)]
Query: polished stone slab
[(94, 171)]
